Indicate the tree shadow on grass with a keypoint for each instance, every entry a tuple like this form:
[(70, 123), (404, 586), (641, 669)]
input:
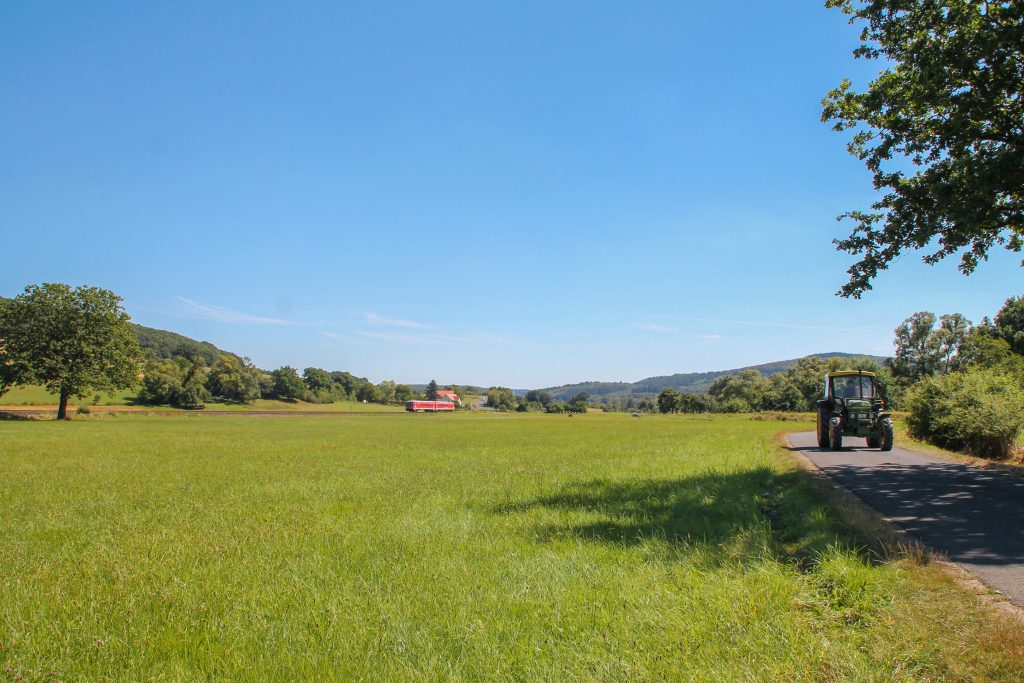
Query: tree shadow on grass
[(19, 416), (736, 514)]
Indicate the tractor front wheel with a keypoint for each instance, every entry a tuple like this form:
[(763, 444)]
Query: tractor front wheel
[(874, 441), (836, 434), (887, 435), (822, 429)]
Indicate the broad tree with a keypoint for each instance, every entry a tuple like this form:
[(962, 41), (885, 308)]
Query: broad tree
[(941, 129), (538, 396), (234, 379), (747, 387), (918, 348), (781, 394), (952, 332), (501, 398), (180, 381), (579, 403), (317, 380), (161, 382), (346, 383), (386, 391), (288, 386), (367, 392), (1009, 323), (668, 400), (193, 384), (403, 393), (695, 403), (72, 341)]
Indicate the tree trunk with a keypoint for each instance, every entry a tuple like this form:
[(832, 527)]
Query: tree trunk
[(62, 408)]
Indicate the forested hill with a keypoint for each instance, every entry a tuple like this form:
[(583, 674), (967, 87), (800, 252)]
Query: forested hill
[(690, 382), (164, 344)]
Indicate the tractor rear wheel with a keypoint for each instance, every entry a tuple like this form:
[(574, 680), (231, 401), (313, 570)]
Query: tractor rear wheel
[(887, 435), (836, 434), (822, 429)]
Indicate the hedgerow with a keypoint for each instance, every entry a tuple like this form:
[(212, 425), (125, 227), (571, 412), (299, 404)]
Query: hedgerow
[(978, 411)]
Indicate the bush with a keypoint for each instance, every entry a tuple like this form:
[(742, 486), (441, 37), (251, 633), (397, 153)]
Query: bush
[(734, 405), (977, 411)]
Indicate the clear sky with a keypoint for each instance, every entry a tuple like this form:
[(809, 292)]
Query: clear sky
[(516, 193)]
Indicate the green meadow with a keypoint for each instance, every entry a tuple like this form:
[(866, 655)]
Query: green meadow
[(26, 396), (33, 395), (454, 547)]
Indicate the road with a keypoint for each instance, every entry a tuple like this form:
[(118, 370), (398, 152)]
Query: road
[(974, 516)]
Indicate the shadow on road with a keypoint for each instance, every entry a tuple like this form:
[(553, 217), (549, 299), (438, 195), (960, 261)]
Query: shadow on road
[(971, 514)]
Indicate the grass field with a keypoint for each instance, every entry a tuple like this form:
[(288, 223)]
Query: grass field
[(36, 395), (439, 547), (39, 396)]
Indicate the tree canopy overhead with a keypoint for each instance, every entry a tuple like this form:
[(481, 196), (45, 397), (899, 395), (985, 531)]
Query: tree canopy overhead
[(941, 130)]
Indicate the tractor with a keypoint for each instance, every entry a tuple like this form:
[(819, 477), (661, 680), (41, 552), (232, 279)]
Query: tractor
[(853, 406)]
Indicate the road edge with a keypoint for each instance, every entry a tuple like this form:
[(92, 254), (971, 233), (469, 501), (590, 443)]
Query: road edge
[(895, 542)]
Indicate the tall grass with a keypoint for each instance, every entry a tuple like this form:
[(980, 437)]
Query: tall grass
[(446, 547)]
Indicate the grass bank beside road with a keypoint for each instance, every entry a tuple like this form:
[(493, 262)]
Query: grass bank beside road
[(462, 546)]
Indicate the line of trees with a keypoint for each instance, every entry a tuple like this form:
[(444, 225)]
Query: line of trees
[(78, 341), (962, 384), (188, 382), (535, 401), (794, 390)]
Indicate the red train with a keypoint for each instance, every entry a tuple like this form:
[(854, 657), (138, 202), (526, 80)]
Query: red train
[(429, 406)]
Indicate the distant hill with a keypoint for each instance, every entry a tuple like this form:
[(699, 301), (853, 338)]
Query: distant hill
[(468, 388), (164, 344), (688, 383)]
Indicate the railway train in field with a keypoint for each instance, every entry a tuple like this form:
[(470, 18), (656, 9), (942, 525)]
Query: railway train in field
[(429, 406)]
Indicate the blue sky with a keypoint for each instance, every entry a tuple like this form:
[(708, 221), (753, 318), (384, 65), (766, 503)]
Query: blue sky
[(524, 194)]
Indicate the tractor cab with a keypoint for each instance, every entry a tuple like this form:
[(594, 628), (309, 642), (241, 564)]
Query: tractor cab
[(852, 406), (858, 387)]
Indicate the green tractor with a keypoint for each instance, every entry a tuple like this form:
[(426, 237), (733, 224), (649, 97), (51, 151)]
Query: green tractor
[(853, 406)]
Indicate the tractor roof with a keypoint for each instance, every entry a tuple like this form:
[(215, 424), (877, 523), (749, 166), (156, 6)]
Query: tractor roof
[(848, 373)]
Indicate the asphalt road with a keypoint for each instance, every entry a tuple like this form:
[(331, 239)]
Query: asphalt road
[(973, 516)]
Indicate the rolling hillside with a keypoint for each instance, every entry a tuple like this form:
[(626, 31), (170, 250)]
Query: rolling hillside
[(164, 344), (690, 382)]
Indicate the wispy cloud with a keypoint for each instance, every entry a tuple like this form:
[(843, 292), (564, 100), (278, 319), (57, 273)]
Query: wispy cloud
[(370, 327), (228, 315), (651, 327), (782, 325), (434, 338), (342, 337), (375, 319), (408, 337), (665, 329)]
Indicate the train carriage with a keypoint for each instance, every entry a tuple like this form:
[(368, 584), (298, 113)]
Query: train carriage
[(429, 406)]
